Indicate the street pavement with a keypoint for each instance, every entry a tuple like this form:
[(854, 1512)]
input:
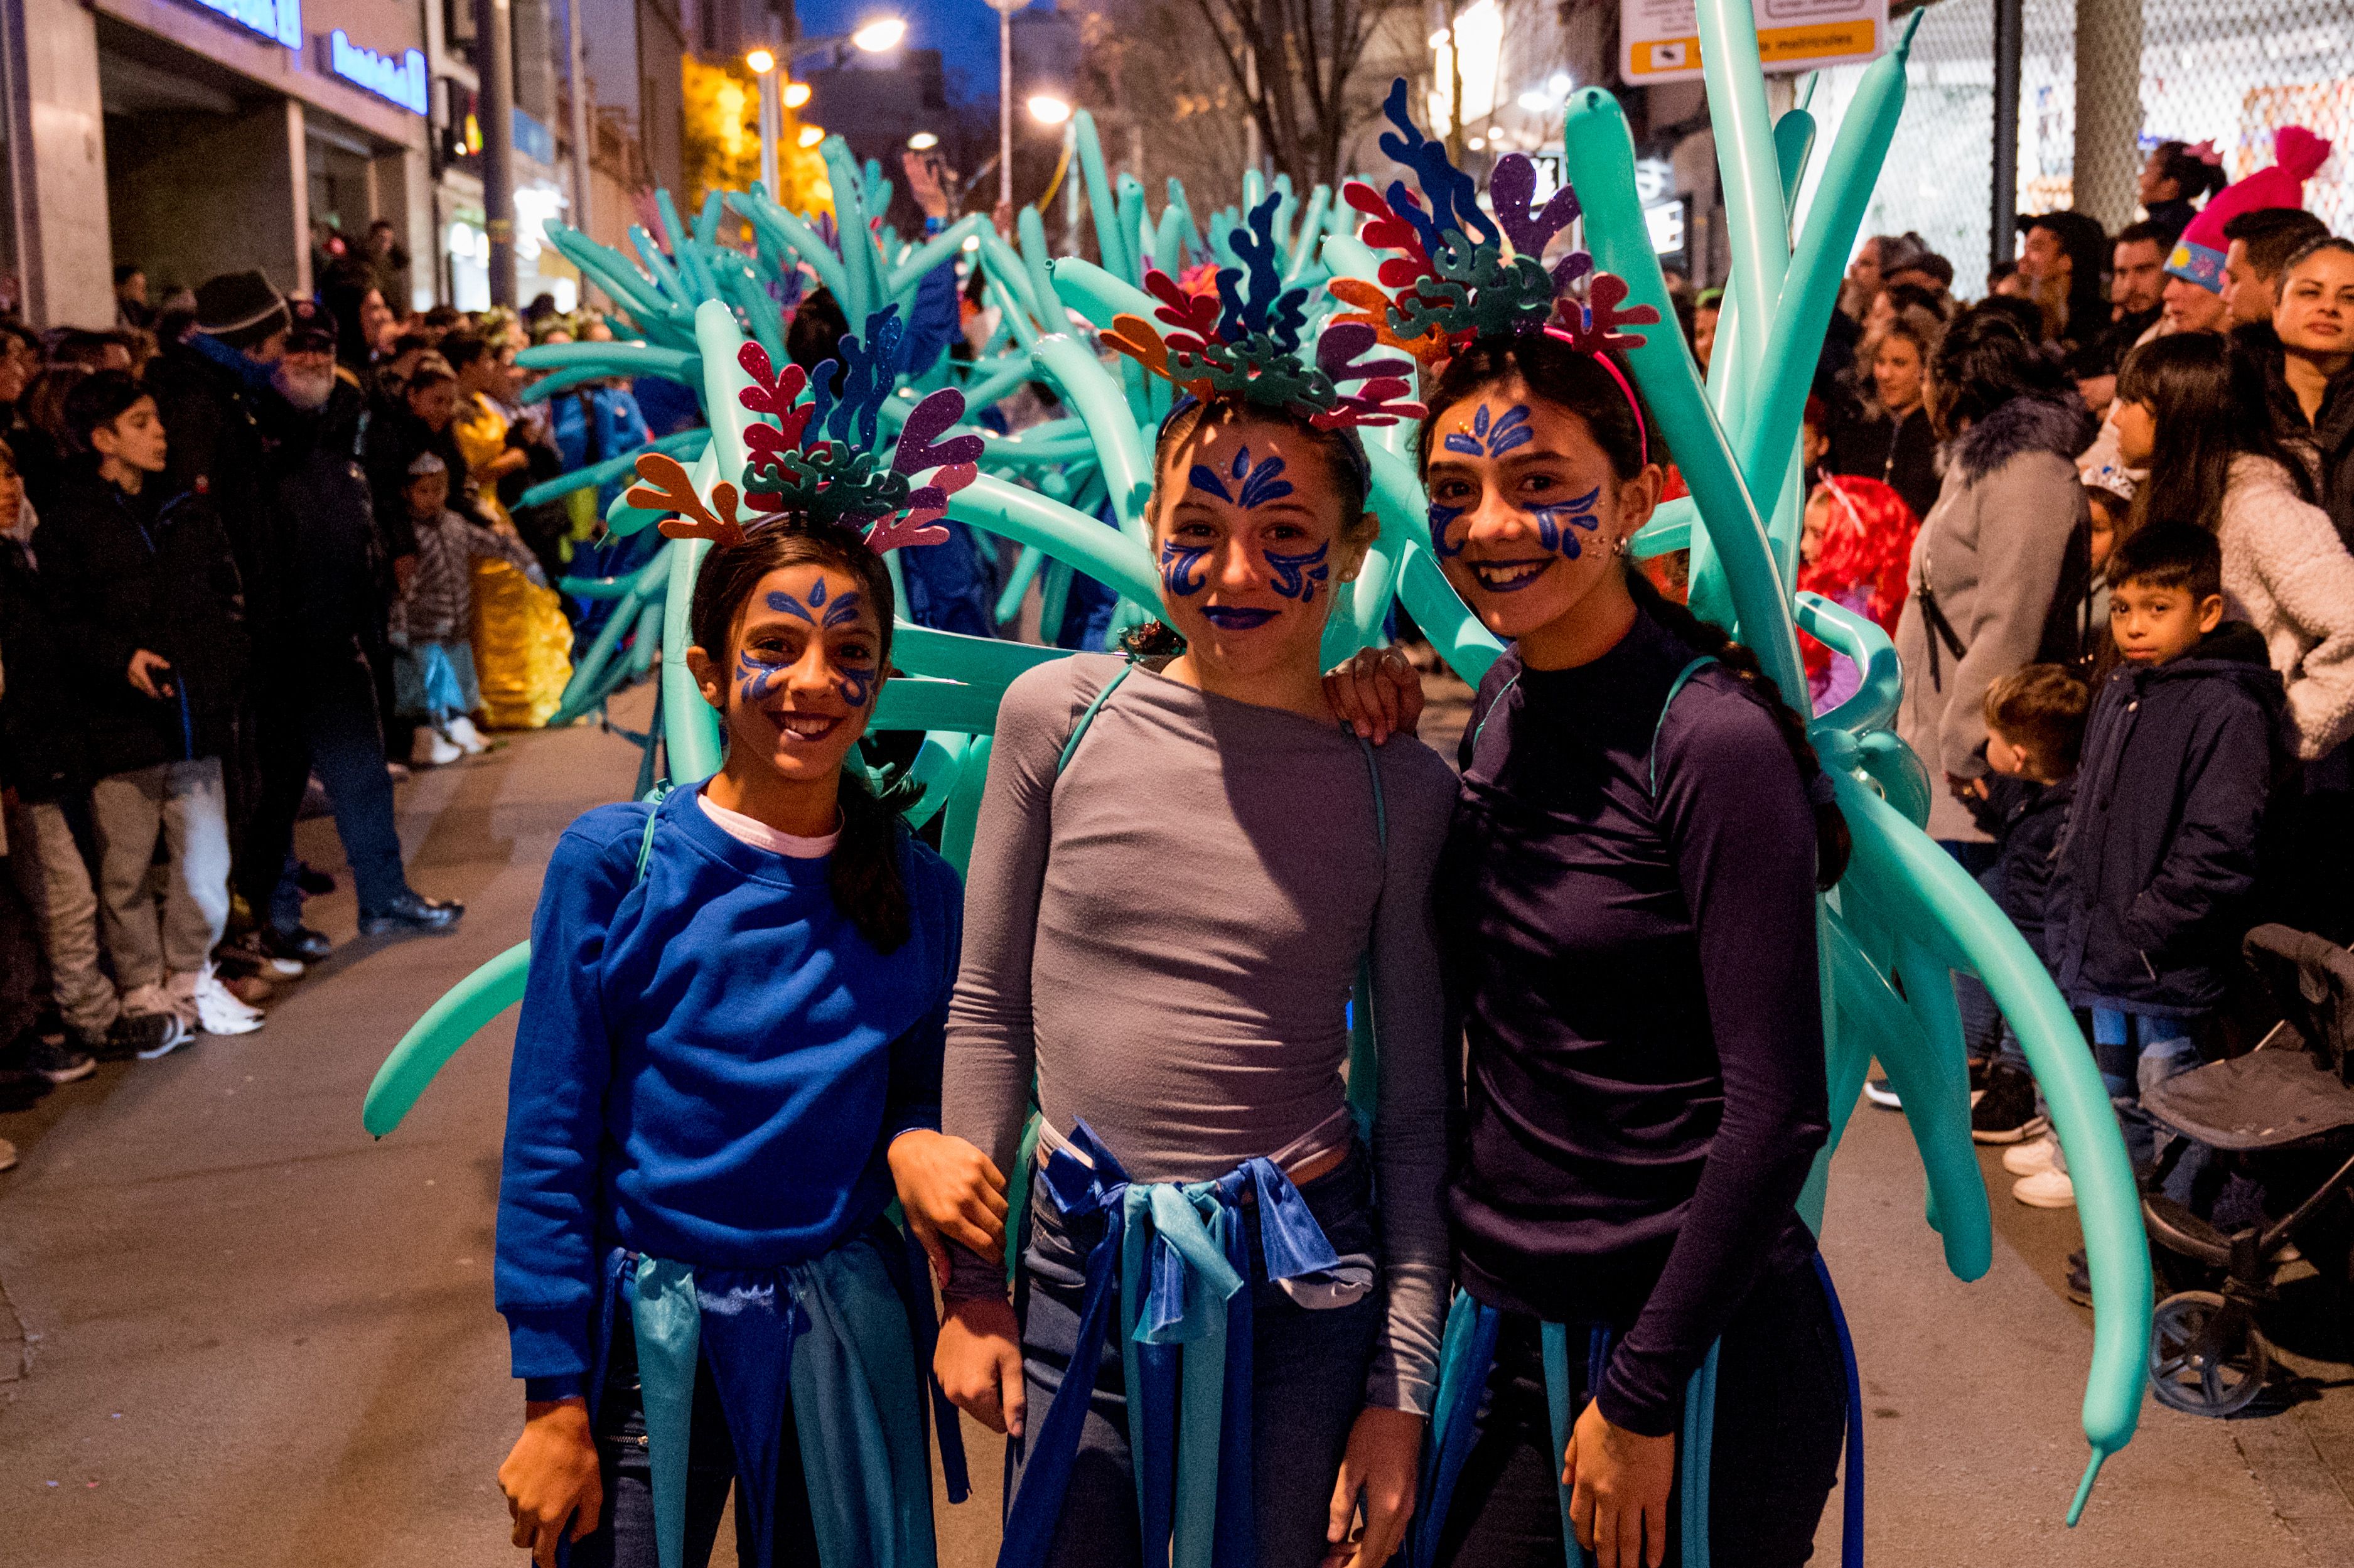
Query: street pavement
[(237, 1331)]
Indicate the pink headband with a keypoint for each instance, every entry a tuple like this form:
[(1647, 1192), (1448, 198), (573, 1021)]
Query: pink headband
[(1642, 434)]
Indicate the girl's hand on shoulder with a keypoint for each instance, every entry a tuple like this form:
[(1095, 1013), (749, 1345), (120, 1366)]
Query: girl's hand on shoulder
[(1380, 1468), (1377, 693), (1619, 1483), (949, 1188), (550, 1477), (979, 1362)]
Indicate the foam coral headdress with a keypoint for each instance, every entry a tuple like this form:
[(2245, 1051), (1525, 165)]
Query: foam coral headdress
[(1449, 279), (1243, 343), (816, 463)]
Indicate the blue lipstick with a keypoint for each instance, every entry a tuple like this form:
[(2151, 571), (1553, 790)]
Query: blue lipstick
[(1230, 618)]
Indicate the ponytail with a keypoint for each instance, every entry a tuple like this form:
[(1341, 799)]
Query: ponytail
[(1832, 841), (865, 879)]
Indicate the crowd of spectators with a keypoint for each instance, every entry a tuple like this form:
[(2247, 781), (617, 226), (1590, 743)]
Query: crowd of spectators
[(2106, 513)]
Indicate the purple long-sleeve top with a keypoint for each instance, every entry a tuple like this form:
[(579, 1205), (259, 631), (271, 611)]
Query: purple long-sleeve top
[(1636, 969)]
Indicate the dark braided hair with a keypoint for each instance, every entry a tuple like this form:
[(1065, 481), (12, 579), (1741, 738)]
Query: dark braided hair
[(1568, 378), (864, 876)]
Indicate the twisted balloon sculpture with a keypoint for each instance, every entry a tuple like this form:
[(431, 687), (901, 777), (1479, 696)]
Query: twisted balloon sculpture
[(1903, 915)]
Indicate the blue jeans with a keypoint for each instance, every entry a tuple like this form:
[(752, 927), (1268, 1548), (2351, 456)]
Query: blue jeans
[(1309, 1386), (2135, 1052), (625, 1531), (329, 726)]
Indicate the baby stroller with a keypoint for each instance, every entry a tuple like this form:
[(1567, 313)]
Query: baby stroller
[(2281, 1114)]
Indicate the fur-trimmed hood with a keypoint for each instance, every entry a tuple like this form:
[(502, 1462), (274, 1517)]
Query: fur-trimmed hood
[(2059, 426)]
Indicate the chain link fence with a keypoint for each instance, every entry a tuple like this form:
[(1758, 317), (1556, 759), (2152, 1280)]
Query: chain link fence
[(2228, 71)]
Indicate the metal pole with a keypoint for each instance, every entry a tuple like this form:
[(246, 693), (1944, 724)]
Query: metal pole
[(2108, 108), (579, 81), (1005, 108), (2010, 38), (772, 129), (494, 38)]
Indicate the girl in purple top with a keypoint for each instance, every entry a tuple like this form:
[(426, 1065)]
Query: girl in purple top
[(1626, 916)]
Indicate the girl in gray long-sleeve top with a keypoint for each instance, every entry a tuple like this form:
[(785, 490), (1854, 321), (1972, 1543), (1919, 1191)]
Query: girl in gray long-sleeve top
[(1178, 869)]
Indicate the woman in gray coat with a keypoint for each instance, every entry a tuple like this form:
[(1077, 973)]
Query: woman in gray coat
[(1999, 559)]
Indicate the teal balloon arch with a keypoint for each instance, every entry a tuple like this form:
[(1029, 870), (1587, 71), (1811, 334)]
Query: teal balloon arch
[(1903, 917)]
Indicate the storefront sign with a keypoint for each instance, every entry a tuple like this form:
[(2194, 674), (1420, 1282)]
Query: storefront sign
[(280, 21), (1660, 40), (402, 80)]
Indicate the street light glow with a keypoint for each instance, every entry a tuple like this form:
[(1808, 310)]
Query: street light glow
[(1048, 109), (812, 134), (761, 61), (881, 33), (796, 94), (922, 142)]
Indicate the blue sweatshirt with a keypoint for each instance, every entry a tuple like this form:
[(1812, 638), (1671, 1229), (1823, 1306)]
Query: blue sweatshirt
[(709, 1067)]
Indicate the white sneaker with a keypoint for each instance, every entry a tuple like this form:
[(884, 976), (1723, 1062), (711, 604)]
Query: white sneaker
[(428, 747), (1879, 1093), (2031, 1159), (470, 740), (2046, 1189), (219, 1009), (179, 1035)]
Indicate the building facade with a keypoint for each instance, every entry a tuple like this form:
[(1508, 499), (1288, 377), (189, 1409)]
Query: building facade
[(195, 138)]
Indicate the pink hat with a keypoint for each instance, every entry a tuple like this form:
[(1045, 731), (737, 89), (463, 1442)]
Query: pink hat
[(2199, 255)]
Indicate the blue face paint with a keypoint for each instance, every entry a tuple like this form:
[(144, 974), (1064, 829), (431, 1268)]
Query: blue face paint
[(842, 611), (1556, 525), (1252, 487), (1295, 577), (1178, 562), (1492, 437), (756, 678), (1442, 518), (1230, 618), (854, 686)]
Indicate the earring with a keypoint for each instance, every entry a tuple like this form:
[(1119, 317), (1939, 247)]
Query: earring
[(1618, 545)]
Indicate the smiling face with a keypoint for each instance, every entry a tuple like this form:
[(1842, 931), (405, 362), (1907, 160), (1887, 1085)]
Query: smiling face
[(1525, 508), (796, 687), (1896, 374), (1250, 541)]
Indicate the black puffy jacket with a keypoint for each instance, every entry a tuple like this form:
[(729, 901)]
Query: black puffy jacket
[(2027, 821), (152, 571), (44, 755), (2156, 869)]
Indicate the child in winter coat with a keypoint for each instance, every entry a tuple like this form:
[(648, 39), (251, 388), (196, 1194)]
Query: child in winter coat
[(151, 597), (2158, 863), (433, 660), (2035, 730)]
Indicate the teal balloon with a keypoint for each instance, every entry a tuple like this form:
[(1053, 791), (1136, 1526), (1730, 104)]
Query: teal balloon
[(432, 1039)]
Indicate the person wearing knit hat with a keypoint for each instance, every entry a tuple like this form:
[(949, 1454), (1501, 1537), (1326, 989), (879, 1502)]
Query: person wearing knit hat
[(2198, 255), (242, 311)]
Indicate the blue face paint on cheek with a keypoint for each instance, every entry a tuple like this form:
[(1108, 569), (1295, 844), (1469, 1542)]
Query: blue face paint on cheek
[(1557, 525), (1178, 563), (1295, 577), (854, 686), (755, 680), (1442, 518)]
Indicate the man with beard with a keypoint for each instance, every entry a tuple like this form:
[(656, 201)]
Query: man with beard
[(322, 713)]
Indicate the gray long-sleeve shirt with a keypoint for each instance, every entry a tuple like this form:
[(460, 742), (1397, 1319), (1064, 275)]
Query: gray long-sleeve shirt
[(1166, 932)]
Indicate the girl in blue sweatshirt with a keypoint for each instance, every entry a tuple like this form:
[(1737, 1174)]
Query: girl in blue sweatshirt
[(734, 1008)]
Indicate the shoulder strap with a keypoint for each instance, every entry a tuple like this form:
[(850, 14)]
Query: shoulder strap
[(1683, 678), (646, 843), (1079, 730)]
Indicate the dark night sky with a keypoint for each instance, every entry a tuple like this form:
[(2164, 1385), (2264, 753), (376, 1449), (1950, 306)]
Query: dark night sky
[(964, 31)]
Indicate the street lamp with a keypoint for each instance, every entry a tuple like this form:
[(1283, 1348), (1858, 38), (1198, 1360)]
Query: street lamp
[(922, 142), (1005, 9), (772, 121), (879, 34), (796, 94), (1048, 109)]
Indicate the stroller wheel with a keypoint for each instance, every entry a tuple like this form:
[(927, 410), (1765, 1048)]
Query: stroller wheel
[(2199, 1363)]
